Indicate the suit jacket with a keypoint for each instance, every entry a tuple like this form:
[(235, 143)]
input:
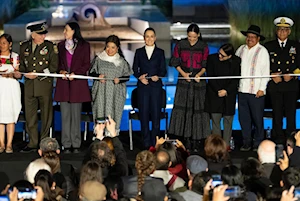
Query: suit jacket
[(156, 65), (77, 90), (44, 56), (284, 60), (215, 67)]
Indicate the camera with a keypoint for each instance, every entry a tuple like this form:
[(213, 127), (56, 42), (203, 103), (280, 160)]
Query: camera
[(216, 180), (25, 193), (233, 191), (102, 120)]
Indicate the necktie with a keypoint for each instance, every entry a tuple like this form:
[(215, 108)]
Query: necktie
[(282, 45)]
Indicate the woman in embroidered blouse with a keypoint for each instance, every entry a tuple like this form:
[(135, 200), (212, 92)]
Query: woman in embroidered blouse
[(188, 119), (10, 92), (74, 59), (109, 94)]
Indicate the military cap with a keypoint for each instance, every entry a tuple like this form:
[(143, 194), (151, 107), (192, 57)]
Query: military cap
[(40, 28), (283, 22)]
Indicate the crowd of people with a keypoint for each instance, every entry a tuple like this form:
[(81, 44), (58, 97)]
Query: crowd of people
[(165, 170)]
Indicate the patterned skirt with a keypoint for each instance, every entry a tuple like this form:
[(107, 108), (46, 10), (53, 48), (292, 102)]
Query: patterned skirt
[(188, 118)]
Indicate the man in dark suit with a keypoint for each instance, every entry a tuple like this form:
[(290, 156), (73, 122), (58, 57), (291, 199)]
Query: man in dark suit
[(283, 90), (149, 64), (38, 55)]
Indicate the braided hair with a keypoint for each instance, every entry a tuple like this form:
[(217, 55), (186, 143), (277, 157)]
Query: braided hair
[(145, 165)]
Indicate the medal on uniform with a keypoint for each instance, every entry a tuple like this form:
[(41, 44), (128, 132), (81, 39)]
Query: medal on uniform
[(44, 51), (292, 50)]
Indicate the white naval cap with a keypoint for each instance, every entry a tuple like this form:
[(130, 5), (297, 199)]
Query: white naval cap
[(283, 22)]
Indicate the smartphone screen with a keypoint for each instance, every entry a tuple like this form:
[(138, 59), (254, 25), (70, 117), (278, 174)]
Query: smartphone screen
[(4, 198), (233, 191), (279, 151), (297, 192), (26, 193), (216, 180), (172, 141), (101, 120)]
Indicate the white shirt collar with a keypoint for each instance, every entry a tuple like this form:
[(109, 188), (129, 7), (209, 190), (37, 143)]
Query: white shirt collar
[(284, 42)]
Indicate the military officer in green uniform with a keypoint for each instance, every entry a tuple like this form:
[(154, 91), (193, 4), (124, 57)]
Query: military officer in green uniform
[(283, 91), (38, 55)]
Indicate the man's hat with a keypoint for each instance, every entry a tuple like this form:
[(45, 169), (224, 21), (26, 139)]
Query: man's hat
[(40, 28), (254, 30), (283, 22), (196, 164), (49, 144)]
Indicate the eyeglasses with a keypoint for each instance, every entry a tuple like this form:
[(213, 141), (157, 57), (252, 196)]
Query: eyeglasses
[(283, 29), (222, 56)]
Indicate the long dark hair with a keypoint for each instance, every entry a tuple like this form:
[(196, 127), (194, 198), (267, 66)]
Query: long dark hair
[(44, 179), (77, 34), (114, 39)]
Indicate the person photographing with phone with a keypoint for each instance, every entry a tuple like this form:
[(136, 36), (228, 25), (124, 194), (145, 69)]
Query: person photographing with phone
[(113, 158), (268, 154)]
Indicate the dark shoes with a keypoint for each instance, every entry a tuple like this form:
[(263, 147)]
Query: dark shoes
[(28, 149), (245, 148), (68, 151), (76, 151)]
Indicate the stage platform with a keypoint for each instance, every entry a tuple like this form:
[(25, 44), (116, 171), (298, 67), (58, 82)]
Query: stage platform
[(15, 164)]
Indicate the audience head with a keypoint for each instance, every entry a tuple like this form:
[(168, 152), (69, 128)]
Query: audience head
[(145, 165), (113, 46), (91, 171), (175, 156), (102, 153), (266, 152), (162, 160), (291, 143), (34, 167), (48, 144), (43, 178), (232, 176), (72, 31), (199, 181), (195, 164), (273, 194), (92, 191), (109, 143), (215, 148), (252, 168), (290, 177), (155, 190), (52, 159)]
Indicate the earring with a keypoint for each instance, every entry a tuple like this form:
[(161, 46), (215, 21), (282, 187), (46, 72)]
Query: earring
[(10, 48)]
